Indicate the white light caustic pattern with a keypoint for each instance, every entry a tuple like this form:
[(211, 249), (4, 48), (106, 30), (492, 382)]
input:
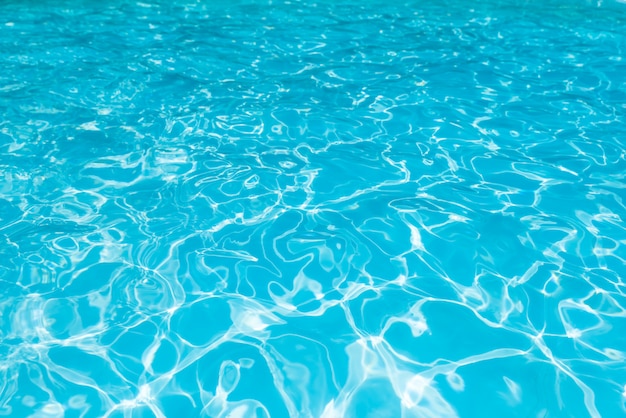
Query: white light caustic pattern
[(299, 209)]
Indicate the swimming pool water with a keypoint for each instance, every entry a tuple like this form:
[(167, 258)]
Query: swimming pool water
[(313, 209)]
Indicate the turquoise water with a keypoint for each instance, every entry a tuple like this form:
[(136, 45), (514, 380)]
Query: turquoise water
[(313, 209)]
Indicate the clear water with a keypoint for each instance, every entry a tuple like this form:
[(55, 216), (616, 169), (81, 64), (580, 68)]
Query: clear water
[(313, 209)]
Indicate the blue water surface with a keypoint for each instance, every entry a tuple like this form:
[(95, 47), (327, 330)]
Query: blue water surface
[(313, 208)]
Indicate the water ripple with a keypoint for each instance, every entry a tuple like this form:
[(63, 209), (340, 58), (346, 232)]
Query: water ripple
[(234, 209)]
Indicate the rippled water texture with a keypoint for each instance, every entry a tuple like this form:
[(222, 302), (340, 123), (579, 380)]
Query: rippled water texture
[(298, 209)]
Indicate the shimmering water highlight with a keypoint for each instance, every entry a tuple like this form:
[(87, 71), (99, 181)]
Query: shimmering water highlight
[(312, 209)]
